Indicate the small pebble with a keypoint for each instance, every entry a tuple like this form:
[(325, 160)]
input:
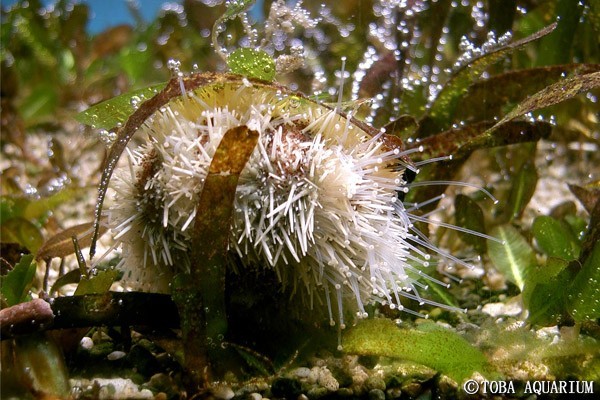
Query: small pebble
[(548, 332), (86, 343), (342, 375), (286, 387), (222, 392), (313, 375), (254, 387), (413, 389), (317, 392), (393, 393), (511, 308), (113, 388), (115, 355), (376, 394), (375, 382), (446, 386), (301, 372), (345, 392), (255, 396), (359, 375), (327, 380)]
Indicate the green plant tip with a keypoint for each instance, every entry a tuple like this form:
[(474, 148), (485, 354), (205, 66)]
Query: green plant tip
[(252, 63)]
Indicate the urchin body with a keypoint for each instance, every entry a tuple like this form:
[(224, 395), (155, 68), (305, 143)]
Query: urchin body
[(317, 201)]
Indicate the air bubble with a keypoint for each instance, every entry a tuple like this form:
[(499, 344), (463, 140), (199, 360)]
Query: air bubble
[(135, 102)]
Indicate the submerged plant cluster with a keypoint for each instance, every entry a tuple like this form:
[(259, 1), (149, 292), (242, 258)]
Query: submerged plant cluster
[(271, 169)]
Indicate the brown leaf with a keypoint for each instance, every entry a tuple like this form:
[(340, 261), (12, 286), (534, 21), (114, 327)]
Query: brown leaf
[(61, 244), (588, 196), (403, 126), (461, 142), (205, 283), (444, 105), (378, 74), (592, 236), (553, 94), (490, 96), (215, 207), (111, 40)]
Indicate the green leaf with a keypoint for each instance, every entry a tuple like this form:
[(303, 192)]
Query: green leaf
[(544, 273), (40, 208), (555, 238), (433, 346), (135, 63), (41, 361), (469, 215), (514, 258), (115, 111), (73, 276), (521, 190), (33, 209), (41, 102), (9, 208), (255, 361), (252, 63), (35, 36), (546, 301), (557, 47), (98, 284), (22, 231), (445, 295), (544, 292), (16, 284), (13, 207), (583, 300), (235, 7), (594, 16), (577, 224)]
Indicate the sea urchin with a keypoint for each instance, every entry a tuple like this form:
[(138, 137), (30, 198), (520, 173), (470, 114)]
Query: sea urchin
[(317, 201)]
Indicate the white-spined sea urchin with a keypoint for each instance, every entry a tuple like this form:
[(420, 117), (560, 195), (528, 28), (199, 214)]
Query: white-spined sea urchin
[(317, 202)]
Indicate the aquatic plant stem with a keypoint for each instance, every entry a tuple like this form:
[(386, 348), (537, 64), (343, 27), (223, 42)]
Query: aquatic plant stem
[(200, 294)]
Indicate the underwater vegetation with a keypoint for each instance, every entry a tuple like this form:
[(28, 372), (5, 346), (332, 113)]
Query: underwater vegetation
[(378, 199)]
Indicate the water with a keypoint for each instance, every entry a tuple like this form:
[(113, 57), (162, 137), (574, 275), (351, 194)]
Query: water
[(110, 13)]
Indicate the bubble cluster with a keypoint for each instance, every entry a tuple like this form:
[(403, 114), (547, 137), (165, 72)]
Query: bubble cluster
[(470, 51)]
